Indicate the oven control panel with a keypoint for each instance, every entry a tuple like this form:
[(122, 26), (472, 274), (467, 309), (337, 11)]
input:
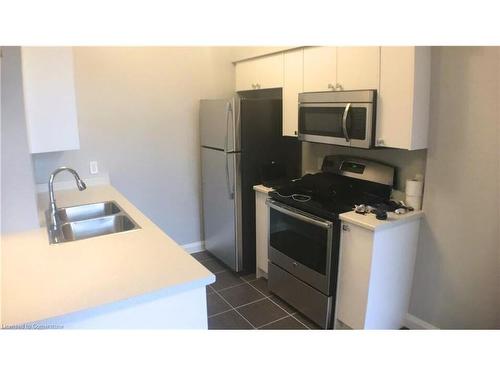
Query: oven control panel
[(363, 169)]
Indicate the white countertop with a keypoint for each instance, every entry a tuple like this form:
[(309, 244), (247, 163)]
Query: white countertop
[(42, 281), (369, 221), (262, 189)]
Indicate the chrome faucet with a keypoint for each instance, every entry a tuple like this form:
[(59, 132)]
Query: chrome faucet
[(54, 225)]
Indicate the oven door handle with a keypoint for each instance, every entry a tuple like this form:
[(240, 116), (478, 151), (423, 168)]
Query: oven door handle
[(344, 122), (320, 223)]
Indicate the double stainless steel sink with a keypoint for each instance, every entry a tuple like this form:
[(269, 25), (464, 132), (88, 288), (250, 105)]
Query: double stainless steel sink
[(89, 220)]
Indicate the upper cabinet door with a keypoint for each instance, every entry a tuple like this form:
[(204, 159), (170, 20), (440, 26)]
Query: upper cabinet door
[(49, 98), (245, 75), (403, 100), (260, 73), (358, 67), (320, 68), (269, 71), (292, 86)]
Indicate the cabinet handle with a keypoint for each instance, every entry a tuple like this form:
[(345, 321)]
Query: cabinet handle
[(345, 228)]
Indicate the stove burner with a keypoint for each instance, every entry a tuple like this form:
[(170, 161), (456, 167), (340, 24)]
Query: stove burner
[(327, 195)]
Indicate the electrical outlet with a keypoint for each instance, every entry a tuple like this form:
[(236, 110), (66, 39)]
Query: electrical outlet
[(94, 169)]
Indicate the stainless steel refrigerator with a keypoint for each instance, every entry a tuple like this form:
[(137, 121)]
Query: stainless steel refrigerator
[(238, 136)]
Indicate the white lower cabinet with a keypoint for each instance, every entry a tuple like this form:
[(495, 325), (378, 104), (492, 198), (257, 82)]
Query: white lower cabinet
[(261, 230), (375, 275)]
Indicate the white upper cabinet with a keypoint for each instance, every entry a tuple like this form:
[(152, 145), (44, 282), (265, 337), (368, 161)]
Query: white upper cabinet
[(401, 76), (261, 73), (320, 68), (341, 68), (49, 98), (292, 86), (358, 68), (246, 75), (404, 95)]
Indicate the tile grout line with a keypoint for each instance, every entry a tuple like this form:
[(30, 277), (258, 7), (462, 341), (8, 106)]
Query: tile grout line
[(222, 312), (257, 288), (293, 316), (288, 314), (234, 308), (237, 312), (268, 297), (274, 321), (246, 304)]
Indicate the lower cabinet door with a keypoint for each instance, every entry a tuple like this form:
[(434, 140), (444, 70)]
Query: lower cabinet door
[(356, 245), (261, 230)]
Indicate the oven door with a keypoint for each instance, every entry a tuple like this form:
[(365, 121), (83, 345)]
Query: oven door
[(301, 244), (344, 124)]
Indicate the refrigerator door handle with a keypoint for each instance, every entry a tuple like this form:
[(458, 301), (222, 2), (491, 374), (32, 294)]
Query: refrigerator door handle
[(230, 190)]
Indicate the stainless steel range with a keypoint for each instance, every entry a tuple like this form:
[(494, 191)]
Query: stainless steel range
[(305, 230)]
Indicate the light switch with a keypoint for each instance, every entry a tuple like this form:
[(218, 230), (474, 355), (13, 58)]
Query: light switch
[(94, 169)]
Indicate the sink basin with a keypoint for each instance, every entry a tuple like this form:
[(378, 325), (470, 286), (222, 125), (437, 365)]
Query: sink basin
[(88, 211), (89, 220), (78, 230)]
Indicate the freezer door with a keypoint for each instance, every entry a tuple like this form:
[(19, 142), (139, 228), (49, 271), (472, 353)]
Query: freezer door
[(221, 206), (218, 124)]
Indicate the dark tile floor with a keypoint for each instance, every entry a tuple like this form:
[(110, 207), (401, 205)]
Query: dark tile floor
[(243, 302)]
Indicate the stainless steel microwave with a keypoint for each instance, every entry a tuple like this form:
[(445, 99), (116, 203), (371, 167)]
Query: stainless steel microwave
[(345, 118)]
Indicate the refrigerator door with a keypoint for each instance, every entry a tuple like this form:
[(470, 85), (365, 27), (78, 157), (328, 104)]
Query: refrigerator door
[(219, 124), (221, 205)]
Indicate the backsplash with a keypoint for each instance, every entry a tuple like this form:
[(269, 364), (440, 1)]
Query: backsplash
[(407, 163)]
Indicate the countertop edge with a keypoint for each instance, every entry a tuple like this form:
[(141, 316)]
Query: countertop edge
[(262, 189), (382, 225)]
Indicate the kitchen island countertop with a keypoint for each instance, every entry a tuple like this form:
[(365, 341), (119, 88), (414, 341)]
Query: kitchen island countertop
[(40, 281)]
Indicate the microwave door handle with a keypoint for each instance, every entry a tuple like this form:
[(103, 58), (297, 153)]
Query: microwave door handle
[(344, 122)]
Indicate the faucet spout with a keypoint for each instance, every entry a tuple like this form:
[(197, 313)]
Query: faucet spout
[(52, 200)]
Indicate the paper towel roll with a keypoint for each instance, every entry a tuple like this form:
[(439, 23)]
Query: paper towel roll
[(414, 188), (414, 201)]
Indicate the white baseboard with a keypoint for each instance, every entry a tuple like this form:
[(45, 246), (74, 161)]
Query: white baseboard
[(194, 247), (412, 322)]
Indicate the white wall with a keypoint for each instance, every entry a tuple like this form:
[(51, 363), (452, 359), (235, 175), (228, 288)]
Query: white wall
[(138, 117), (457, 274), (18, 198)]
